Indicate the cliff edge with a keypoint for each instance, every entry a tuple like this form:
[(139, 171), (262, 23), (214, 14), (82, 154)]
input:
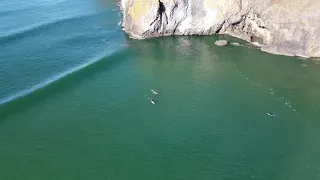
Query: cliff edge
[(287, 27)]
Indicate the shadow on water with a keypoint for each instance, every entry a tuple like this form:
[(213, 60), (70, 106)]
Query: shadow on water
[(22, 103), (292, 80)]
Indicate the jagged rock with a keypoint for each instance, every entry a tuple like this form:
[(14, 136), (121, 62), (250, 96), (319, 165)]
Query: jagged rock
[(288, 27), (221, 43)]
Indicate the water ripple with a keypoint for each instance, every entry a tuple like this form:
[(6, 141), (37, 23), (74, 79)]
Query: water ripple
[(54, 79), (34, 28)]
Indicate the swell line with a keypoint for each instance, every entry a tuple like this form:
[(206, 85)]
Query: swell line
[(29, 7), (54, 79), (18, 10), (23, 31)]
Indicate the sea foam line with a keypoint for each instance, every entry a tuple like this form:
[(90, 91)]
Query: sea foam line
[(271, 90)]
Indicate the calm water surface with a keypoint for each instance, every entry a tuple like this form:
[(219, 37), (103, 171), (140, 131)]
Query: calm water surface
[(74, 93)]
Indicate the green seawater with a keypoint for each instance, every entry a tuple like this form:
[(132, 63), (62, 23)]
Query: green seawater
[(75, 90)]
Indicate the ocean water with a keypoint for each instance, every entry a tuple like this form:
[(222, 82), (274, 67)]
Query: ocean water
[(75, 90)]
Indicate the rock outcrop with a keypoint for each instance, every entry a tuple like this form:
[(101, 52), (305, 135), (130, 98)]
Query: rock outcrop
[(221, 43), (287, 27)]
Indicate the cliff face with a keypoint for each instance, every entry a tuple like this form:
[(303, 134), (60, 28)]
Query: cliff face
[(288, 27)]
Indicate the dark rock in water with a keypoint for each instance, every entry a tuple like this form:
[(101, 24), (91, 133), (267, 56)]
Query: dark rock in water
[(221, 43)]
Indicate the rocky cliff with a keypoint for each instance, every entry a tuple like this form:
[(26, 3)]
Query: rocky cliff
[(287, 27)]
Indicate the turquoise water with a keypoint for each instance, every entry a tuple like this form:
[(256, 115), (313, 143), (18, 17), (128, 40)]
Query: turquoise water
[(74, 93)]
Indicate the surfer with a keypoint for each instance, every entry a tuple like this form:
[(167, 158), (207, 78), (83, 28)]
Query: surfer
[(154, 92), (152, 101), (271, 114)]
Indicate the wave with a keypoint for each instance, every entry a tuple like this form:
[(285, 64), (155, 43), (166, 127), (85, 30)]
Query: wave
[(30, 7), (34, 28), (58, 82), (18, 10)]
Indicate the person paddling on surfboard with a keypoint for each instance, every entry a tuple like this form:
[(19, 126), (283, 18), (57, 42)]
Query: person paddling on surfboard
[(154, 92), (271, 114), (152, 101)]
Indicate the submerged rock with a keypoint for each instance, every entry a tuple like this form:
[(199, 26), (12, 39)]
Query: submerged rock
[(235, 44), (221, 43), (279, 26)]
